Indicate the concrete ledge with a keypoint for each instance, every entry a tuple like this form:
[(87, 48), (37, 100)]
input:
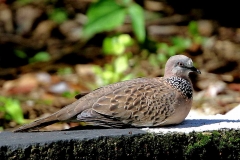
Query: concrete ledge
[(124, 143), (201, 124)]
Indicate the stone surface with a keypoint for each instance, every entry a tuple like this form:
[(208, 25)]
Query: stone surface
[(14, 140), (201, 124)]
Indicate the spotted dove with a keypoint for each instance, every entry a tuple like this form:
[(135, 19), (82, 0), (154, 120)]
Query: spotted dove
[(141, 102)]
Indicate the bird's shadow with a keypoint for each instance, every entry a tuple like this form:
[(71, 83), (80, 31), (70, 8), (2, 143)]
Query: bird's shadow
[(188, 123)]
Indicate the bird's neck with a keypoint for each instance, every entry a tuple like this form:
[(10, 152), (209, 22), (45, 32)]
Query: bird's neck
[(181, 85)]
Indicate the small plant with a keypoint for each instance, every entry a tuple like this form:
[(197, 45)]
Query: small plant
[(11, 109), (164, 51), (65, 71), (194, 34), (116, 45), (20, 54), (58, 15), (40, 57), (69, 94), (115, 71)]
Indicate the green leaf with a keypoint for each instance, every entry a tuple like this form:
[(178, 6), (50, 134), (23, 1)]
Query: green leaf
[(193, 28), (65, 71), (121, 64), (153, 60), (125, 40), (103, 15), (115, 78), (116, 45), (137, 15), (199, 39), (108, 67), (125, 2), (20, 54), (12, 109), (2, 109), (162, 58), (69, 94), (58, 15), (40, 57), (112, 46), (181, 43), (107, 46), (172, 50), (127, 77), (107, 75), (97, 69), (163, 47)]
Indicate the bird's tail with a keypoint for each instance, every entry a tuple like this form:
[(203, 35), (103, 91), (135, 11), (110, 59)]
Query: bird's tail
[(40, 123), (63, 115)]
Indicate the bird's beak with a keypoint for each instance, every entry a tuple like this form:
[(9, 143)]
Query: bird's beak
[(195, 70)]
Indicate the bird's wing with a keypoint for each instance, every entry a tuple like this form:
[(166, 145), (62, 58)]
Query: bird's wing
[(141, 103), (87, 101)]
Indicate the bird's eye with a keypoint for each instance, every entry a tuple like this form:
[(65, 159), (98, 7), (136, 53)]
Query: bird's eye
[(180, 64)]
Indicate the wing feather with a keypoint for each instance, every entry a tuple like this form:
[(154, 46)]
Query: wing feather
[(141, 103)]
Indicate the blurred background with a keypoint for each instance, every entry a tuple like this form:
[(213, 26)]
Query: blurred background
[(52, 50)]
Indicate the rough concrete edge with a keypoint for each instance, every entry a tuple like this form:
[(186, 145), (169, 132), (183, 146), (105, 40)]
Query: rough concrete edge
[(221, 144)]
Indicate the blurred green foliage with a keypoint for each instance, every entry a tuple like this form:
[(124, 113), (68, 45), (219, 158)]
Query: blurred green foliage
[(40, 57), (106, 15), (116, 45), (58, 15), (177, 46), (65, 71), (194, 34), (11, 109), (20, 54), (69, 94), (115, 70), (136, 14), (23, 2), (193, 28)]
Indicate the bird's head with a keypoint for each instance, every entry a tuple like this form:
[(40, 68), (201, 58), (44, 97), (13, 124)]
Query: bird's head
[(180, 66)]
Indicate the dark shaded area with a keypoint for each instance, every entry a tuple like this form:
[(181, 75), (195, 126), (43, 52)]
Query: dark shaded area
[(225, 12), (8, 58), (231, 65)]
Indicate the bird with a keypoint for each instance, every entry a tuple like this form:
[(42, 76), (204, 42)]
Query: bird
[(140, 102)]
